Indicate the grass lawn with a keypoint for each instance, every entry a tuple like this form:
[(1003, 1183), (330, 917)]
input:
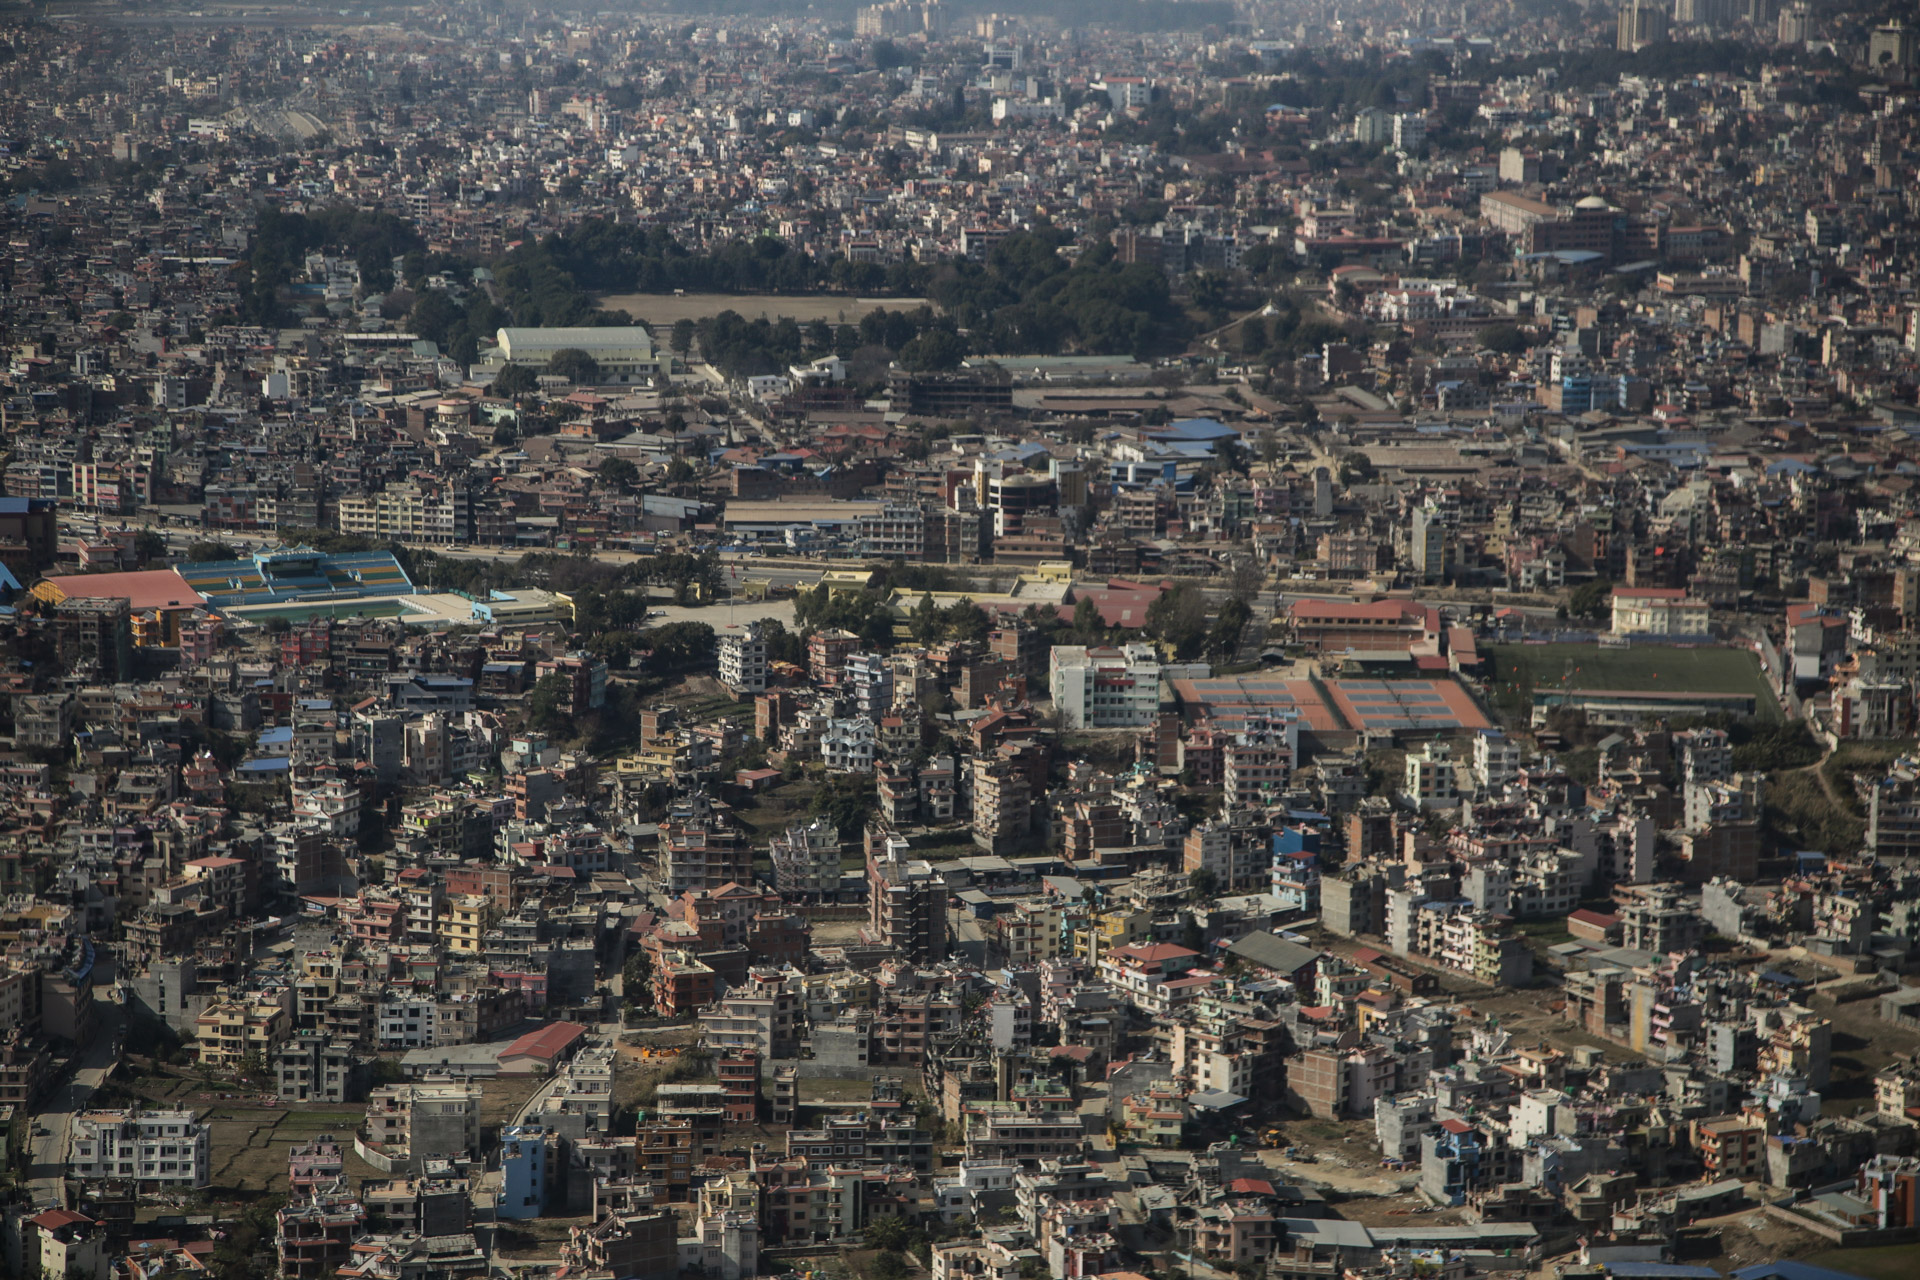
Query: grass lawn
[(347, 1120), (1549, 933), (249, 1147), (835, 1089), (1644, 667), (769, 813), (1885, 1262), (939, 846)]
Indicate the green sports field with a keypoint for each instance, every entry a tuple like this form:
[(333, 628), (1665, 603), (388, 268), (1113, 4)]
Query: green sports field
[(1518, 667)]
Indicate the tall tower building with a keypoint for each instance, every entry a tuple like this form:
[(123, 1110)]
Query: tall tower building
[(1641, 24), (1796, 25)]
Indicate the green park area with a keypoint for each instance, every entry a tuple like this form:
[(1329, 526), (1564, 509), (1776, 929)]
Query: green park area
[(1519, 669)]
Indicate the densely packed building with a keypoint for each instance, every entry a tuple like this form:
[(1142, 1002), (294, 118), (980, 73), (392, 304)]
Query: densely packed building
[(983, 636)]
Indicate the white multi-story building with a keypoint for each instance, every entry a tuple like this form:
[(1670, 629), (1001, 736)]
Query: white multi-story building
[(1105, 688), (168, 1147), (743, 657), (1496, 759), (1432, 778), (806, 861), (847, 746), (1659, 611), (407, 1022), (958, 1195)]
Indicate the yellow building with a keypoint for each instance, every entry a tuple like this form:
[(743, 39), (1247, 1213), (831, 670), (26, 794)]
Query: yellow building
[(658, 760), (228, 1030), (465, 923), (1049, 571), (1115, 927), (846, 581)]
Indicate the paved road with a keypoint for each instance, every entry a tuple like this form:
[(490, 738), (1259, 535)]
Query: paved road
[(599, 1035), (47, 1181)]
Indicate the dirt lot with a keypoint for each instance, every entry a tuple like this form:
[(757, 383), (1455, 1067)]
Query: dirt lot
[(1749, 1237), (838, 1090), (771, 812), (531, 1238), (1862, 1045), (837, 933), (251, 1138)]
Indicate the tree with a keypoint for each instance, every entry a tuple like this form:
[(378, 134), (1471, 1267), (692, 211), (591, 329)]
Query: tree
[(1179, 618), (926, 621), (1269, 447), (619, 473), (1087, 621), (636, 979), (845, 799), (550, 704), (245, 1251), (1224, 640), (1592, 600), (1254, 336), (1245, 579), (679, 646), (680, 337), (207, 550), (1507, 339), (965, 620), (887, 55), (149, 546), (1209, 292), (1202, 885), (514, 380), (574, 365), (889, 1233), (934, 350)]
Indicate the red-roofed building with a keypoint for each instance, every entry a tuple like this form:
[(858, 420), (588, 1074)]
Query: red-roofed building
[(1332, 626), (66, 1244), (159, 599), (1146, 974), (1122, 604), (541, 1052), (1594, 926), (1816, 640)]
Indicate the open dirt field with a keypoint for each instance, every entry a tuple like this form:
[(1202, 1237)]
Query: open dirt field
[(251, 1138), (662, 309)]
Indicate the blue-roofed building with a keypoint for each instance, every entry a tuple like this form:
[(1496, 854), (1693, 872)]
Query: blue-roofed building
[(1194, 429), (1787, 1270), (29, 535), (420, 691)]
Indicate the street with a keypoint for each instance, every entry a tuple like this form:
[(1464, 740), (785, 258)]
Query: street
[(47, 1178)]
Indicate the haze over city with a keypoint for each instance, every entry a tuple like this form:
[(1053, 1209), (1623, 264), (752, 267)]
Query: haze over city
[(1154, 640)]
